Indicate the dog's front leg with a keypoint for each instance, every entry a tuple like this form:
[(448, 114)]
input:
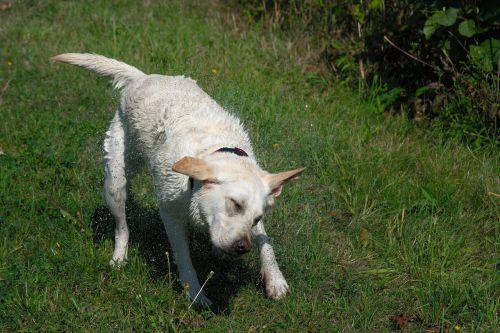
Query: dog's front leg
[(275, 283), (178, 241)]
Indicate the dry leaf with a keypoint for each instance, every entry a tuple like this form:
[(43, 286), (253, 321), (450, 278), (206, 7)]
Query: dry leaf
[(341, 216), (364, 237), (4, 90), (195, 322), (437, 329), (4, 6), (399, 320)]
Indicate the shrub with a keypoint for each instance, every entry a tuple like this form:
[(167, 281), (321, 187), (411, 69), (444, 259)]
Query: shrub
[(438, 59)]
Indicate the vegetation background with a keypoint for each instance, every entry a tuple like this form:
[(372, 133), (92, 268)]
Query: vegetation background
[(394, 226), (431, 59)]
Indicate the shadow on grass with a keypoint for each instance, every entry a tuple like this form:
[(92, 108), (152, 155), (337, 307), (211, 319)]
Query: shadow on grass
[(148, 235)]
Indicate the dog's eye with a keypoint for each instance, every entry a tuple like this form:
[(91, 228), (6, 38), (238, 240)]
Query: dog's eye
[(237, 205), (234, 207), (257, 220)]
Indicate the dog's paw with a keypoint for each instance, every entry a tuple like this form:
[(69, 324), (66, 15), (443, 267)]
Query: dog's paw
[(119, 258), (275, 284), (117, 262)]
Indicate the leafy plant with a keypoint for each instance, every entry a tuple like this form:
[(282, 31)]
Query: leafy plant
[(403, 46), (382, 96), (485, 56), (445, 18)]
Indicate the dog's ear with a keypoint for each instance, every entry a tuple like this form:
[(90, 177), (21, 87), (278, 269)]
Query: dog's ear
[(194, 167), (275, 181)]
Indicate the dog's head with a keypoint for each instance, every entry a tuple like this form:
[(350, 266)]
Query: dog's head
[(234, 194)]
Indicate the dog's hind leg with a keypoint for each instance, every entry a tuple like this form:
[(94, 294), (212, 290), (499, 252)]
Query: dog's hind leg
[(275, 284), (115, 186)]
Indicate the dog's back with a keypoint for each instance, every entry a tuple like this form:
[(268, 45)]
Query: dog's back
[(172, 113), (168, 113)]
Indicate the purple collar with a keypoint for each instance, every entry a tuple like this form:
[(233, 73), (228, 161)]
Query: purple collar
[(235, 150)]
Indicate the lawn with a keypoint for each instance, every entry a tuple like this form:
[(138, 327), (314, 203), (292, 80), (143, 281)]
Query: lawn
[(391, 226)]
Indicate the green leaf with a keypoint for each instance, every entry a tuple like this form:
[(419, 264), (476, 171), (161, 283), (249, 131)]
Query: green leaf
[(376, 4), (447, 44), (467, 28), (364, 237), (422, 90), (492, 47), (429, 29), (358, 14), (386, 99), (485, 55), (445, 18), (449, 18), (429, 199)]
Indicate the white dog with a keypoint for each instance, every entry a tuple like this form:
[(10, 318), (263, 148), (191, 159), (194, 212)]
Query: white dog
[(202, 164)]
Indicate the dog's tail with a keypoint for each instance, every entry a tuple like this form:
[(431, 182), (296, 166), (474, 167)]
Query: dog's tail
[(121, 73)]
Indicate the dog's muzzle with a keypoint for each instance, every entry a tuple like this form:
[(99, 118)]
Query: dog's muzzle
[(242, 246), (237, 249)]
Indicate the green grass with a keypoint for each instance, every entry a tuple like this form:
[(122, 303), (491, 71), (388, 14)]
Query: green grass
[(388, 219)]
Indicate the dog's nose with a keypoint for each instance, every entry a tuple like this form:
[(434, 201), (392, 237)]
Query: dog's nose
[(242, 246)]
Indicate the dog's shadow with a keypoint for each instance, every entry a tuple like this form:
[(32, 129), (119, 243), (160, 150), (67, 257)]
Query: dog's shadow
[(148, 235)]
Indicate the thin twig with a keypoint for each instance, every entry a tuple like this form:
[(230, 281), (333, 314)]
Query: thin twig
[(4, 90), (498, 75), (169, 272), (457, 40), (411, 55), (209, 276), (360, 61), (68, 216), (362, 69), (449, 59)]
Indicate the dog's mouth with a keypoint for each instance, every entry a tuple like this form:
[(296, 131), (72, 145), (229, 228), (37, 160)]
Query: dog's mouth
[(225, 254)]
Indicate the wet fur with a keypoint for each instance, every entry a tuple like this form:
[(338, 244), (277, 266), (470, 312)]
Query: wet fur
[(174, 127)]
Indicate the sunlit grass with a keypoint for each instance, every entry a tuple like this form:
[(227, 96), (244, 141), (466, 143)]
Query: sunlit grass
[(384, 221)]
